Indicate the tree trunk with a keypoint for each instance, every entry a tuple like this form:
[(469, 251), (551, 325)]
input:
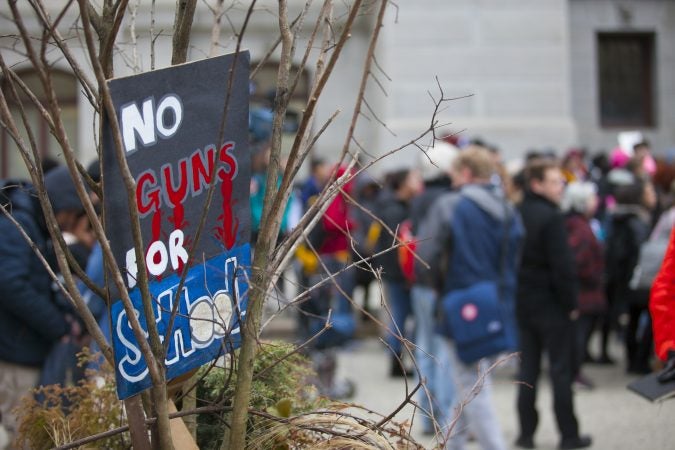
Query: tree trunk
[(160, 405), (136, 418)]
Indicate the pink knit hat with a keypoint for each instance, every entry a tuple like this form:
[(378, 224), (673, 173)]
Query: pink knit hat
[(618, 158)]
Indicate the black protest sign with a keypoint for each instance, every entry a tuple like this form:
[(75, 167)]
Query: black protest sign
[(183, 129)]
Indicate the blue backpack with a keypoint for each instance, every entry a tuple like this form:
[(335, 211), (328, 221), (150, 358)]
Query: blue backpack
[(476, 317)]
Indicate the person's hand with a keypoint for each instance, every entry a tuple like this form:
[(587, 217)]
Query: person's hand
[(668, 372), (74, 331), (574, 314)]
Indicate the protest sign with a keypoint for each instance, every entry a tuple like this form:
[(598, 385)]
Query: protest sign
[(177, 145)]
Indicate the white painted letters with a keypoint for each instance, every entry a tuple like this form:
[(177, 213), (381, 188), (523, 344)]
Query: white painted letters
[(133, 122), (158, 257), (172, 102), (148, 123), (132, 268)]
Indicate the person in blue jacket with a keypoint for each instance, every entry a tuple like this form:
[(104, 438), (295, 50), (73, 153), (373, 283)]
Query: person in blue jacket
[(30, 320), (471, 236)]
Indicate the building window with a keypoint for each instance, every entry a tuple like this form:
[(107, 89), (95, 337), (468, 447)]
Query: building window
[(626, 79), (65, 85)]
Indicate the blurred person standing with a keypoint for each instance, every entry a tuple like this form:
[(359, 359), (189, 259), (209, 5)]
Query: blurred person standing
[(394, 210), (61, 366), (573, 166), (333, 244), (366, 191), (580, 203), (326, 257), (473, 236), (662, 293), (662, 308), (642, 152), (630, 225), (260, 159), (431, 351), (31, 322), (546, 306), (319, 175)]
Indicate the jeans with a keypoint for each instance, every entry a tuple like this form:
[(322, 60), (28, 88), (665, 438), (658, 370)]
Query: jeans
[(331, 295), (433, 361), (398, 300), (15, 382), (474, 405)]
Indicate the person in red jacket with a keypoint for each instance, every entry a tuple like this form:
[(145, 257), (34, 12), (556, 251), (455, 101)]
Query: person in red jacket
[(580, 202), (662, 309)]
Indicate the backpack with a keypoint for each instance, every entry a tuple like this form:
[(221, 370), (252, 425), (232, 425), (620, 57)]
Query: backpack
[(651, 255), (406, 251), (477, 317)]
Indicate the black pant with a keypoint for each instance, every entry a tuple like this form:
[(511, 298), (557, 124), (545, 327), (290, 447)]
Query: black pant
[(555, 336), (585, 326), (639, 339)]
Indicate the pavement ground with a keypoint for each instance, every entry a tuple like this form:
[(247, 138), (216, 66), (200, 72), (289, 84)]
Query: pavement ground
[(616, 418)]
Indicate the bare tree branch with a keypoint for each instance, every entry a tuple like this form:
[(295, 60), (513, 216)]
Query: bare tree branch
[(95, 19), (269, 53), (153, 37), (270, 222), (136, 67), (185, 12), (364, 78), (294, 161), (153, 353), (310, 43), (215, 29), (112, 23)]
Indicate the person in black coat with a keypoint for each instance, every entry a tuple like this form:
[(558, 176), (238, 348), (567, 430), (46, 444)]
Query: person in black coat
[(546, 306), (630, 226)]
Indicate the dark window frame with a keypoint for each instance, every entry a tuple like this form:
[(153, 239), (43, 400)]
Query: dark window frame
[(646, 41), (40, 128)]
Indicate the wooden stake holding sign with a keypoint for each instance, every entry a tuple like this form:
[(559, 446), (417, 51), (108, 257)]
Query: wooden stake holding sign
[(182, 439)]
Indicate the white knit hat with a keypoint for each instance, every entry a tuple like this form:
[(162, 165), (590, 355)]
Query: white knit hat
[(576, 196), (436, 160)]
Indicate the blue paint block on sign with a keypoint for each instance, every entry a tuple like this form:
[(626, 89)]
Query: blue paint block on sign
[(211, 308)]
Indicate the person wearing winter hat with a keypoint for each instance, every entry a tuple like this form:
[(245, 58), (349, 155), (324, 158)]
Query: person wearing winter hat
[(63, 196), (69, 213), (31, 321)]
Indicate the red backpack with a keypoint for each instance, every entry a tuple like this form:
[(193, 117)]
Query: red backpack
[(406, 250)]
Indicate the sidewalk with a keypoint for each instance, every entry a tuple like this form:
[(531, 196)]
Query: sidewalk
[(615, 417)]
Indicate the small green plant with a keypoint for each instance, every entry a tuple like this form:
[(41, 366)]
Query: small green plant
[(280, 388)]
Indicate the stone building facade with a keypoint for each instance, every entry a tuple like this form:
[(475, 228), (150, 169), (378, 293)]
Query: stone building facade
[(526, 73)]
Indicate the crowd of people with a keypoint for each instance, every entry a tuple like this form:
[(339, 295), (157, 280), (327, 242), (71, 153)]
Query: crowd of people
[(572, 243), (573, 246)]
